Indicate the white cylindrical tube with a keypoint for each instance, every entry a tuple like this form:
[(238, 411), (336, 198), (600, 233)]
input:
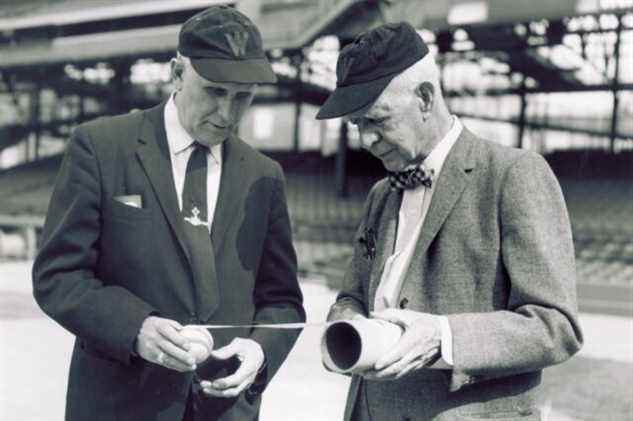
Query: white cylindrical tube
[(353, 346)]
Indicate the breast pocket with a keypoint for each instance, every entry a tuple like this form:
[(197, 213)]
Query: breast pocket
[(123, 212), (127, 235)]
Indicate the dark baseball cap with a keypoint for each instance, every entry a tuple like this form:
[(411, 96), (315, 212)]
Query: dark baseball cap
[(366, 66), (225, 46)]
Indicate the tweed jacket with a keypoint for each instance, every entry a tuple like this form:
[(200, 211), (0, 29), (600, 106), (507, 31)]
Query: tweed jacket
[(103, 267), (495, 255)]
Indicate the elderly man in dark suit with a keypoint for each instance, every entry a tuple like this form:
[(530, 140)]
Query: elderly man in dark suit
[(164, 218), (466, 245)]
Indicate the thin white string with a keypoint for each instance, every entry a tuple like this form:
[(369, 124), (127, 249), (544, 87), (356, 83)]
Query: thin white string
[(265, 326)]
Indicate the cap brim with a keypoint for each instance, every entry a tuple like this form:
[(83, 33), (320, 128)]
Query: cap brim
[(236, 71), (347, 99)]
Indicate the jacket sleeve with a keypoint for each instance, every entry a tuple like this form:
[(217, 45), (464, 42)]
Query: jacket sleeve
[(65, 284), (539, 326), (277, 296)]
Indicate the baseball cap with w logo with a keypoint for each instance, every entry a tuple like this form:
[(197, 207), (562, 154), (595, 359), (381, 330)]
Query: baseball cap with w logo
[(366, 67), (225, 46)]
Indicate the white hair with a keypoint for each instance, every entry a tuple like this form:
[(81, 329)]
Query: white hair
[(405, 85), (423, 70), (183, 59)]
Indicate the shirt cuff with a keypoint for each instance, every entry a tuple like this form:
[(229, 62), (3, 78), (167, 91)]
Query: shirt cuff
[(447, 340)]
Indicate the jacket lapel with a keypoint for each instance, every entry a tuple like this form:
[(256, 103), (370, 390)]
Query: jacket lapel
[(385, 240), (229, 195), (153, 153), (450, 185)]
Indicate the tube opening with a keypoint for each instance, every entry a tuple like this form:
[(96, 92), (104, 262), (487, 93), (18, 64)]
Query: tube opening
[(343, 344)]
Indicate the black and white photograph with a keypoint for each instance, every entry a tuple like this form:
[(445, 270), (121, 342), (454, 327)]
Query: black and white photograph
[(316, 210)]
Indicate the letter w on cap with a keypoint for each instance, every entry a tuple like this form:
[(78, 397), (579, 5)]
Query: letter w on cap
[(237, 41)]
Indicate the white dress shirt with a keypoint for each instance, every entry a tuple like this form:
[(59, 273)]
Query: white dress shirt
[(180, 148), (413, 209)]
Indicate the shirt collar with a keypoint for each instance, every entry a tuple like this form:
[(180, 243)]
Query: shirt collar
[(177, 137), (435, 160)]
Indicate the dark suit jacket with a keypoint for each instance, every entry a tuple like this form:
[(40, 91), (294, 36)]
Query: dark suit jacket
[(103, 267), (495, 255)]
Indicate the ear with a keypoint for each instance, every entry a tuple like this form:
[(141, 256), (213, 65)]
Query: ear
[(177, 68), (425, 91)]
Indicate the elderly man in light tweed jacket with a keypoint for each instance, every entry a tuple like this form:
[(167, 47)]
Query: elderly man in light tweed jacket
[(466, 245)]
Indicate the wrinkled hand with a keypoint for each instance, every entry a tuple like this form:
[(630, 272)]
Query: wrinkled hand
[(342, 312), (160, 342), (418, 347), (251, 358)]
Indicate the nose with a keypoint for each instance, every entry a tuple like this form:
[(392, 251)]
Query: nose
[(368, 138), (227, 109)]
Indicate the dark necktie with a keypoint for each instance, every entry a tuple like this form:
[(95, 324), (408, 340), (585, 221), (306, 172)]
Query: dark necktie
[(196, 227), (411, 178)]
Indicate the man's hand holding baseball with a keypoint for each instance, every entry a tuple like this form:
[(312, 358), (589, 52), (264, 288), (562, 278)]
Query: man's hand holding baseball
[(160, 342)]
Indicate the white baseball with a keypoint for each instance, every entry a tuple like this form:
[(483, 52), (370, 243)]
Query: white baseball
[(201, 342)]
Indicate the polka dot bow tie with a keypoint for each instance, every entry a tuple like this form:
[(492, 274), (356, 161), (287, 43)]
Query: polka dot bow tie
[(411, 179)]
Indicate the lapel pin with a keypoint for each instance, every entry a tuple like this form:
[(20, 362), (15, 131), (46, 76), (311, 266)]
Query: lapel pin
[(369, 241)]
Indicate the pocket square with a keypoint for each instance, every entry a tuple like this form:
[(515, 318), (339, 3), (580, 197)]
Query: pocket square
[(133, 200)]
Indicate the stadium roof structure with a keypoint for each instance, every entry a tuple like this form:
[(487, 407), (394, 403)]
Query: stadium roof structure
[(47, 33), (36, 33), (40, 32), (39, 38)]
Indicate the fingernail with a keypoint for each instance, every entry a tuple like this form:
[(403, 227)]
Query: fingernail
[(205, 383)]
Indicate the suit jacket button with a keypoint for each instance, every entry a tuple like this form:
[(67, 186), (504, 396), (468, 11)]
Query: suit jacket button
[(404, 303)]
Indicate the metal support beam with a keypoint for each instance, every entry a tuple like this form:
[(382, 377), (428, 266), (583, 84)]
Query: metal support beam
[(522, 110), (538, 125), (298, 84), (32, 141), (542, 90), (341, 163), (614, 90), (120, 99), (37, 118), (22, 220)]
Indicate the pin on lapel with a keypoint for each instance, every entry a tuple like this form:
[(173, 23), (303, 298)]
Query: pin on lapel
[(195, 219), (369, 242)]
